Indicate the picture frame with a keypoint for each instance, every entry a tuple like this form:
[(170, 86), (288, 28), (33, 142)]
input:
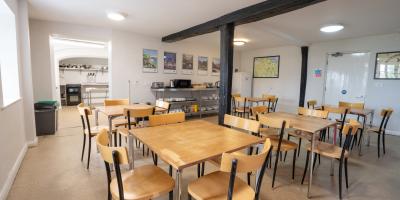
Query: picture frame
[(216, 66), (266, 67), (387, 66), (202, 65), (150, 60), (187, 64), (169, 62)]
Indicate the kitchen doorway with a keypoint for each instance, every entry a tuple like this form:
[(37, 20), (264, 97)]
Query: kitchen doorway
[(81, 71), (346, 77)]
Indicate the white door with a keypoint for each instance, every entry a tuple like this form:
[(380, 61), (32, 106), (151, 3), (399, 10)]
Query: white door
[(346, 77)]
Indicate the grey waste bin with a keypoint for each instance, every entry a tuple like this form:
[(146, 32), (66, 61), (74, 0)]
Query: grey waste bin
[(46, 117)]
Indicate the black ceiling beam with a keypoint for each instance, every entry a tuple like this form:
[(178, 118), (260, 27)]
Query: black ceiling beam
[(246, 15)]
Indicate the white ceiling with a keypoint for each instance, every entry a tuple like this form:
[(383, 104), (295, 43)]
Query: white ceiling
[(160, 17)]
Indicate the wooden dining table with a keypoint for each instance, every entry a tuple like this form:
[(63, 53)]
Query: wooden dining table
[(308, 124), (112, 112), (189, 143)]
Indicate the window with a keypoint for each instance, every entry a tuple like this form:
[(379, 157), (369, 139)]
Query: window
[(9, 74)]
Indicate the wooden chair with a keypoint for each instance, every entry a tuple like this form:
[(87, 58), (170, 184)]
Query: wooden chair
[(335, 152), (351, 105), (88, 130), (162, 107), (272, 102), (144, 182), (311, 104), (116, 102), (342, 111), (135, 114), (247, 125), (279, 144), (255, 110), (165, 119), (224, 184), (385, 113), (323, 114), (241, 107), (233, 102)]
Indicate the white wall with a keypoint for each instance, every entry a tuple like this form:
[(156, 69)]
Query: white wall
[(287, 86), (380, 93), (125, 61), (17, 118)]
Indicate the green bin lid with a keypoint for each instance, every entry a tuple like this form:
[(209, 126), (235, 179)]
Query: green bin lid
[(48, 102)]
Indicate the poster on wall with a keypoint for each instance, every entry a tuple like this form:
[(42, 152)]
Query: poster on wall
[(187, 64), (202, 67), (216, 67), (266, 67), (150, 60), (317, 73), (387, 65), (169, 63)]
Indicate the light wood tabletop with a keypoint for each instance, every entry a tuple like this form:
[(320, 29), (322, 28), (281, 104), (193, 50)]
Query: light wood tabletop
[(303, 123), (119, 110), (189, 143)]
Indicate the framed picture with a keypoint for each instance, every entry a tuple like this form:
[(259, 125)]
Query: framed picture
[(387, 65), (169, 63), (202, 67), (150, 60), (266, 67), (216, 67), (187, 64)]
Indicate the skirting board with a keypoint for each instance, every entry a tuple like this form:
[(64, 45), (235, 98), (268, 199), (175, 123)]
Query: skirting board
[(33, 143), (13, 173), (397, 133)]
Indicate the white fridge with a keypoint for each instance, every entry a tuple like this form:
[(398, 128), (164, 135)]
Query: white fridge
[(242, 84)]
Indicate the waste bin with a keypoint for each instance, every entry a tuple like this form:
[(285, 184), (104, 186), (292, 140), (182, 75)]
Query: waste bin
[(46, 117)]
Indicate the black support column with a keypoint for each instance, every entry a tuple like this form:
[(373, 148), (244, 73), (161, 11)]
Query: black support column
[(226, 62), (303, 80)]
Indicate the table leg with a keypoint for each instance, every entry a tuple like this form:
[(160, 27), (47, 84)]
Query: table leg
[(96, 115), (334, 134), (311, 165), (179, 184), (110, 131), (131, 152), (370, 124)]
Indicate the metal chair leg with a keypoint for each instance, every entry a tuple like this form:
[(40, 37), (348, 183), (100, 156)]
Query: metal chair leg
[(383, 142), (171, 195), (340, 178), (202, 168), (379, 145), (294, 162), (305, 168), (83, 148), (346, 173), (275, 168), (89, 149), (298, 151)]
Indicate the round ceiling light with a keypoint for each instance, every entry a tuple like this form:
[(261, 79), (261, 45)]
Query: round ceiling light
[(116, 16), (332, 28), (240, 42)]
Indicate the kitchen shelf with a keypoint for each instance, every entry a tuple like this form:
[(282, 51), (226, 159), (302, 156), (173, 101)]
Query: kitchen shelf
[(182, 89), (85, 70)]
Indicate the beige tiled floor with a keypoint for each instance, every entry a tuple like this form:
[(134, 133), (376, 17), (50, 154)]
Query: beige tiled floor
[(53, 170)]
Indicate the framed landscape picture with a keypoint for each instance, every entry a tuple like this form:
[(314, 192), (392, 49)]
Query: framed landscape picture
[(266, 67), (387, 65), (216, 66), (187, 64), (202, 67), (169, 63), (150, 60)]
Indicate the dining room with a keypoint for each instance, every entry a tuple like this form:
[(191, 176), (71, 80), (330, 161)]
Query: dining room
[(200, 100)]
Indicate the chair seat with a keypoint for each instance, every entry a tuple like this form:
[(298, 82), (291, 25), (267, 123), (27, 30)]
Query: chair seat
[(122, 122), (94, 130), (269, 132), (160, 110), (214, 186), (242, 109), (145, 182), (286, 145), (327, 150), (374, 129), (123, 131)]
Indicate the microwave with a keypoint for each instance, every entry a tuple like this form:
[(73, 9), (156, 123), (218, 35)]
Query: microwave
[(182, 83)]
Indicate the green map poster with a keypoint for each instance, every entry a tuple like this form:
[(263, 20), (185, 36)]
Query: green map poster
[(266, 67)]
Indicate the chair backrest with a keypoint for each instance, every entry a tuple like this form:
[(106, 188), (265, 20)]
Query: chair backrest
[(164, 119), (241, 123), (385, 113), (351, 105), (349, 130), (138, 113), (335, 110), (311, 103), (255, 110), (112, 155), (163, 104), (241, 163), (84, 110), (313, 113), (272, 101), (116, 102), (272, 122), (235, 95)]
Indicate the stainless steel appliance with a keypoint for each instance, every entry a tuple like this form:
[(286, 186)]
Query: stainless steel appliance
[(74, 94), (182, 83), (157, 85)]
